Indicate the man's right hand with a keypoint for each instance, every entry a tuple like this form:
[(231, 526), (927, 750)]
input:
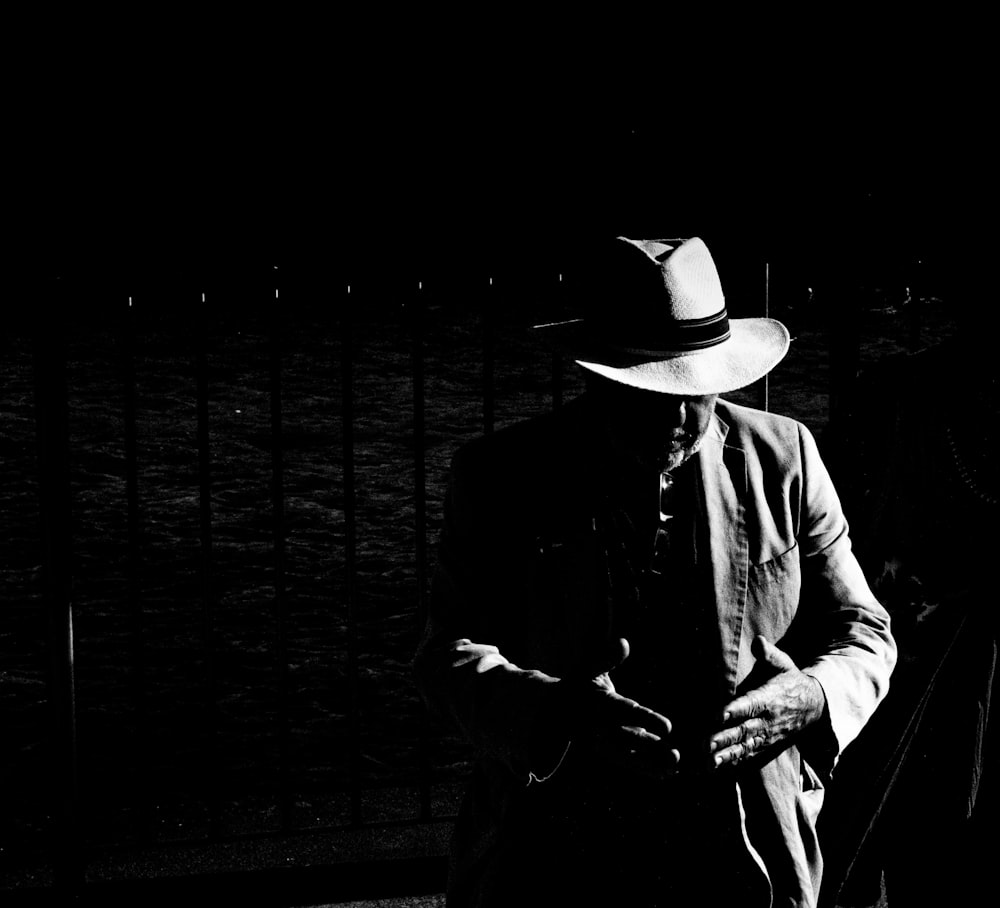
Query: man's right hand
[(617, 730)]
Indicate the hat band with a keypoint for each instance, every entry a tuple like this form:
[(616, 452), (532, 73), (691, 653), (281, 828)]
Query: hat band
[(684, 336)]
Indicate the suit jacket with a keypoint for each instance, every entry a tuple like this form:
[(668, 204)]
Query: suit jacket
[(522, 597)]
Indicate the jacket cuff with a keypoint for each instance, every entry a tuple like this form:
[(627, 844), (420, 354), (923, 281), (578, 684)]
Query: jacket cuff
[(842, 716), (819, 744)]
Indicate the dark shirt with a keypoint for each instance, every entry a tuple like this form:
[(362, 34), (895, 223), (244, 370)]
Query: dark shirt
[(662, 604), (672, 628)]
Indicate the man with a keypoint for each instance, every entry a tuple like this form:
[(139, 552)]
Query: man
[(647, 617)]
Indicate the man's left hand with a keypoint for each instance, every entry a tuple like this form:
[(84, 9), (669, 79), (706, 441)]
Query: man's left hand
[(770, 714)]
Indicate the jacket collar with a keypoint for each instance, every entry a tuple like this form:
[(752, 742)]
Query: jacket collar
[(718, 430)]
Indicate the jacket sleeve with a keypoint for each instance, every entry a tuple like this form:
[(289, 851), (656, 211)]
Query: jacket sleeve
[(854, 651), (508, 714)]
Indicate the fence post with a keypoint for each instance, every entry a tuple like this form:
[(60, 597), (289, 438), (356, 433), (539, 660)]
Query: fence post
[(134, 605), (350, 555), (420, 515), (557, 357), (845, 353), (278, 517), (207, 591), (489, 384), (914, 305), (52, 418), (764, 388)]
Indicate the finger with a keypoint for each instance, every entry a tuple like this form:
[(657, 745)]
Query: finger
[(659, 765), (635, 750), (636, 733), (764, 650), (730, 736), (635, 742), (747, 706), (619, 650), (738, 753), (606, 660), (616, 710)]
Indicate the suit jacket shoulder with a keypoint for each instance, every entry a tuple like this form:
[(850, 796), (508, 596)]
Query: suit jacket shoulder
[(751, 428), (790, 486)]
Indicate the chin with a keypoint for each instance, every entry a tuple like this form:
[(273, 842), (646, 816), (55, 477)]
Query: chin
[(671, 460)]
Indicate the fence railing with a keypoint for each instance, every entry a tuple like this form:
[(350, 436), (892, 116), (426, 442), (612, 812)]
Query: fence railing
[(420, 347)]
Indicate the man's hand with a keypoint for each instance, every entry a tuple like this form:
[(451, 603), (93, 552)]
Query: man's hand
[(768, 715), (618, 730)]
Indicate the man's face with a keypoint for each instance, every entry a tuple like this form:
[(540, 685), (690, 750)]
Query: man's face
[(657, 430)]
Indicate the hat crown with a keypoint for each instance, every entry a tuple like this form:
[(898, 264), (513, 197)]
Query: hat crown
[(662, 296), (686, 271)]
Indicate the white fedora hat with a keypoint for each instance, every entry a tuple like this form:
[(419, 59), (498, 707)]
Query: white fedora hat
[(657, 320)]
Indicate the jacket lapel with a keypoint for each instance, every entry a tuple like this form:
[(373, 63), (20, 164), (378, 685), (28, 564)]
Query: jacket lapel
[(724, 485)]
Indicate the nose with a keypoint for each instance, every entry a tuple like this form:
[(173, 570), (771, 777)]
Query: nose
[(675, 412)]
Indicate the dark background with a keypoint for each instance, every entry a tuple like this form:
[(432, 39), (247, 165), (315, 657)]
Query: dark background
[(193, 144)]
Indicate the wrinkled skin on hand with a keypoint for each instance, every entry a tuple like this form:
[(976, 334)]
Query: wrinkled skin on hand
[(615, 729), (769, 715)]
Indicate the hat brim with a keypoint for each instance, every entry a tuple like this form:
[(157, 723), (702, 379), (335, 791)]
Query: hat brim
[(755, 346)]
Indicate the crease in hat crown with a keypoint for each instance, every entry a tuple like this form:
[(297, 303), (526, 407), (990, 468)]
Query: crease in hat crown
[(690, 277), (686, 311)]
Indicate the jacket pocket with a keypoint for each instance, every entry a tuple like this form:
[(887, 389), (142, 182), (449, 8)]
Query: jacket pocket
[(773, 590)]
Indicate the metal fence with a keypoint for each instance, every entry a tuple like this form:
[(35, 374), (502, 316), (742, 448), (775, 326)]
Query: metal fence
[(345, 305)]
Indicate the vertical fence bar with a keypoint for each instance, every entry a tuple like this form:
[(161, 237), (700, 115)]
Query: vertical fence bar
[(557, 359), (140, 795), (52, 422), (420, 513), (845, 354), (208, 604), (489, 386), (913, 326), (913, 304), (350, 555), (278, 518), (764, 388)]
